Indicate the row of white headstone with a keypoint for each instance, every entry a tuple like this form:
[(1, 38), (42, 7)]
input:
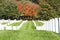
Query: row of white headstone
[(6, 27), (50, 25)]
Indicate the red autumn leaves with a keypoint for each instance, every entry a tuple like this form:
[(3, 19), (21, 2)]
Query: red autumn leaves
[(28, 9), (20, 6)]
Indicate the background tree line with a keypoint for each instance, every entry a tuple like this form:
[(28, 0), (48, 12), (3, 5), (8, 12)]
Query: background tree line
[(49, 9), (8, 9)]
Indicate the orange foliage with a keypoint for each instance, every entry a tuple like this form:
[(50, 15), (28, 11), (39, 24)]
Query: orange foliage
[(28, 9), (20, 6)]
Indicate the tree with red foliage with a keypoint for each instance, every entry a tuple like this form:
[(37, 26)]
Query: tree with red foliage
[(20, 6), (28, 9)]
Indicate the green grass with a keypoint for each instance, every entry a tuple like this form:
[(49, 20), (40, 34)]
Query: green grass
[(28, 25), (15, 24), (39, 23), (4, 23), (28, 32), (28, 35)]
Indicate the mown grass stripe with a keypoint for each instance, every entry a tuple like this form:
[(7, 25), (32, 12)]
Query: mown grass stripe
[(28, 26), (16, 23), (39, 23), (4, 23)]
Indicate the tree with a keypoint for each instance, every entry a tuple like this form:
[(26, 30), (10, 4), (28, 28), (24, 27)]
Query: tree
[(28, 8), (47, 12), (55, 4), (9, 9)]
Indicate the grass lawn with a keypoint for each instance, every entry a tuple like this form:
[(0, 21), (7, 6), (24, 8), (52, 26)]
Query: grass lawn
[(28, 26), (28, 32), (4, 23), (15, 24), (39, 23)]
